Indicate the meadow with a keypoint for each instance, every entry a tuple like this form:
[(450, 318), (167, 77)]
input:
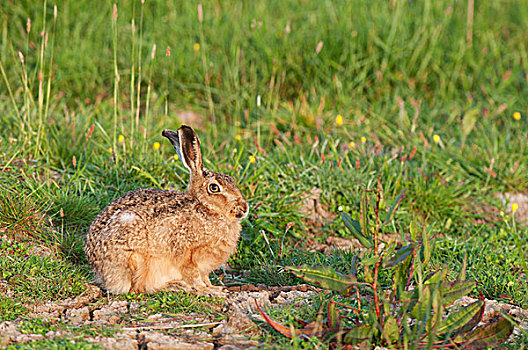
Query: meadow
[(287, 97)]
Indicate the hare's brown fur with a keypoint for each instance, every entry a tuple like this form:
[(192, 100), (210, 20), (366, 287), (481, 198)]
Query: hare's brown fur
[(149, 239)]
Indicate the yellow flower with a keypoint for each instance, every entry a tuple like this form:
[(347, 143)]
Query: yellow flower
[(156, 145), (515, 206), (121, 138), (196, 47), (238, 137), (517, 116), (363, 139), (252, 159), (351, 144), (176, 157), (510, 284), (109, 149), (436, 138), (339, 120)]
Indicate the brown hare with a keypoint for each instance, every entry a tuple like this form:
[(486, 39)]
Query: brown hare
[(151, 239)]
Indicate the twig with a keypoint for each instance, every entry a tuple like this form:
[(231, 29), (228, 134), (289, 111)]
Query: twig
[(197, 325)]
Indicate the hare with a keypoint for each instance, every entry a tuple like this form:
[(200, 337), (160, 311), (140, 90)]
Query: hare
[(150, 239)]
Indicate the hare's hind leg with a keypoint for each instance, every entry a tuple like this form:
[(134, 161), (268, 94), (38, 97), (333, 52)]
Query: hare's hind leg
[(115, 274), (138, 265)]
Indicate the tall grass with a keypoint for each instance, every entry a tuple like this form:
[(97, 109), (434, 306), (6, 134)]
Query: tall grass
[(371, 55)]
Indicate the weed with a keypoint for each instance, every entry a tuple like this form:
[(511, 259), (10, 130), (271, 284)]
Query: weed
[(36, 326), (174, 303), (11, 309)]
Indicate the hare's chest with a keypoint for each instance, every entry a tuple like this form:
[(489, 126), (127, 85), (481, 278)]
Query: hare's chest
[(224, 235), (219, 246)]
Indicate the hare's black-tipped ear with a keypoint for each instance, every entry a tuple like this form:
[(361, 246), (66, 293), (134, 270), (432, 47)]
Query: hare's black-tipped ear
[(187, 146), (190, 149), (175, 140)]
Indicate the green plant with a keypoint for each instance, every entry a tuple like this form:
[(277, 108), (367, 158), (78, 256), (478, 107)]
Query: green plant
[(174, 302), (415, 312), (56, 344), (36, 326), (11, 309)]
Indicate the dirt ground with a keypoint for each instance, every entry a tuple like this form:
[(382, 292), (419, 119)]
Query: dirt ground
[(120, 324)]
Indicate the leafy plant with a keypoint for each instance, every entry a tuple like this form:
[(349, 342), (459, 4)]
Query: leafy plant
[(416, 311)]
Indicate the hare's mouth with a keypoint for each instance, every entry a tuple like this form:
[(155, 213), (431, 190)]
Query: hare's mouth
[(242, 212), (240, 215)]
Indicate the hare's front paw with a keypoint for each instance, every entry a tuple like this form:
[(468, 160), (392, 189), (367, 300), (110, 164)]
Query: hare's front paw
[(213, 291), (178, 286)]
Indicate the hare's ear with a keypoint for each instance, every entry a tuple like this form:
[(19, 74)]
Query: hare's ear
[(174, 139), (190, 149), (187, 146)]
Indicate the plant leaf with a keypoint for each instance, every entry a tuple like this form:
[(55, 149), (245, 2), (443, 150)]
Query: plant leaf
[(363, 215), (426, 244), (355, 228), (325, 277), (390, 329), (436, 276), (395, 204), (367, 274), (401, 254), (463, 320), (381, 195), (310, 330), (357, 335), (489, 335), (401, 277), (353, 268), (422, 309), (452, 291), (469, 120), (462, 274), (333, 319), (369, 261)]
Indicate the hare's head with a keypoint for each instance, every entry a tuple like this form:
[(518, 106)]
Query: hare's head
[(218, 192)]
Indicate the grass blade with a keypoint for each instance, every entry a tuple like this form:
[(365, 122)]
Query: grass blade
[(394, 206)]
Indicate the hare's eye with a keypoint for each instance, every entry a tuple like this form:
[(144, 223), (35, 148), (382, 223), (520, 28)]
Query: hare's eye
[(214, 188)]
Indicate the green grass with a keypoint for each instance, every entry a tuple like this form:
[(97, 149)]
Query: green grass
[(36, 277), (56, 344), (174, 303), (397, 72)]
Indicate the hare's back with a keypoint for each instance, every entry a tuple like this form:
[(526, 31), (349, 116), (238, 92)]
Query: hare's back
[(138, 207), (130, 222)]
